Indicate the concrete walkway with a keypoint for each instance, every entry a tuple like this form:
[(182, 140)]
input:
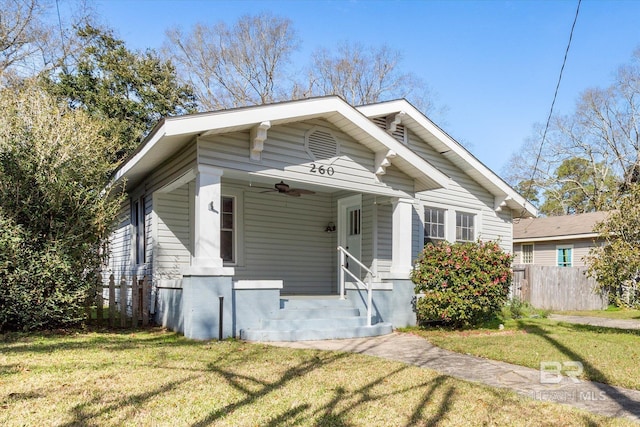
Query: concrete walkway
[(598, 398), (597, 321)]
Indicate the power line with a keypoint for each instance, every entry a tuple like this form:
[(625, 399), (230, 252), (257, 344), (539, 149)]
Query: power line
[(64, 49), (555, 96)]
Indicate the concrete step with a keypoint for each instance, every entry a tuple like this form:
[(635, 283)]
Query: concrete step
[(314, 323), (315, 334), (298, 303), (315, 313)]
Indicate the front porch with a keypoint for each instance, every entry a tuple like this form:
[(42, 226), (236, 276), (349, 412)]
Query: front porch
[(217, 307), (257, 252)]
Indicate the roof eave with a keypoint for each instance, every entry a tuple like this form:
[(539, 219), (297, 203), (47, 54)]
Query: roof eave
[(558, 237), (426, 175), (457, 153)]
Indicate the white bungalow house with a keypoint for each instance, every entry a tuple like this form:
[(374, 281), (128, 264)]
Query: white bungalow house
[(236, 217)]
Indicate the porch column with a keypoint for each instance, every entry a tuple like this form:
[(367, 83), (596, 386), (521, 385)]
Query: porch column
[(401, 240), (206, 249)]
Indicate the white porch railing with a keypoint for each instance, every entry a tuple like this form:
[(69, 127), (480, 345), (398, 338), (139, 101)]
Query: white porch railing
[(343, 254)]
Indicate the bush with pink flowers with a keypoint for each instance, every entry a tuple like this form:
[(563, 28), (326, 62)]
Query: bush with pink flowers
[(461, 284)]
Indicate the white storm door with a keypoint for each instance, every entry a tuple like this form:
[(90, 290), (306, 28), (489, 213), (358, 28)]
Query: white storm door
[(350, 228)]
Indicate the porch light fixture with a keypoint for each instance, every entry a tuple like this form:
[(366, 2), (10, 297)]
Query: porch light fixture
[(331, 227)]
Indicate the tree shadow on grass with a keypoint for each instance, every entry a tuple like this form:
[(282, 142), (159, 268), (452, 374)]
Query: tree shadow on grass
[(236, 381), (614, 394), (82, 412), (333, 417), (337, 410)]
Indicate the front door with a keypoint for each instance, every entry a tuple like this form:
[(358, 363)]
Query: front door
[(350, 229)]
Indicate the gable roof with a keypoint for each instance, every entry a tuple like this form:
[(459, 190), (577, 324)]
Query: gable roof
[(452, 150), (173, 133), (563, 227)]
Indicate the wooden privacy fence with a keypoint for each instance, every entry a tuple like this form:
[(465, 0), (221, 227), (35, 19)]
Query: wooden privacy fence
[(127, 303), (557, 288)]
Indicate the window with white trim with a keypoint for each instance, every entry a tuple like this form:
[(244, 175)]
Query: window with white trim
[(434, 224), (227, 229), (139, 231), (527, 253), (465, 229), (565, 256)]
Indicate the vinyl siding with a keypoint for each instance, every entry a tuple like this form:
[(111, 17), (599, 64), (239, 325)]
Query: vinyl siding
[(120, 259), (545, 253), (173, 233), (285, 239), (285, 157), (385, 241), (463, 194)]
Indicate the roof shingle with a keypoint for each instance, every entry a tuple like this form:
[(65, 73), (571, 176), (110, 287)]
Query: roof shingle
[(556, 226)]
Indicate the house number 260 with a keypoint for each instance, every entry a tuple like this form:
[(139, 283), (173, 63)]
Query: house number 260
[(322, 170)]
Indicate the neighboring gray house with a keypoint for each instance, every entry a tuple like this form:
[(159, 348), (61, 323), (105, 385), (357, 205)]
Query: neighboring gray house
[(557, 240), (250, 204)]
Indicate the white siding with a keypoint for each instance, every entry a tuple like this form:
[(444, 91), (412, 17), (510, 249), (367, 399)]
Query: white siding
[(119, 261), (285, 157), (463, 194), (173, 234), (385, 242), (285, 239)]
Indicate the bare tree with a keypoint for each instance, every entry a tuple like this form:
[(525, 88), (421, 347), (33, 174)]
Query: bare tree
[(245, 64), (365, 75), (32, 40), (603, 131), (22, 35)]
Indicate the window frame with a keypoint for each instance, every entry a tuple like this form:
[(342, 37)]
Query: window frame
[(473, 228), (524, 258), (428, 224), (565, 263), (233, 230), (138, 231)]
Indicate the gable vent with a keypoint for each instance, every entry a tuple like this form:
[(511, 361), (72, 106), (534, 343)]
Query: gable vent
[(400, 132), (381, 122), (321, 144)]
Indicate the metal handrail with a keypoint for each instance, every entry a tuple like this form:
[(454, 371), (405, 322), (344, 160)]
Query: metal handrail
[(343, 254)]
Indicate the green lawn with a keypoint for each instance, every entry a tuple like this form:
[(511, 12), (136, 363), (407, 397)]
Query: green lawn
[(608, 355), (612, 313), (158, 378)]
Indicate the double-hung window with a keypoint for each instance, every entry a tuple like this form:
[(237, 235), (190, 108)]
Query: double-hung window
[(139, 230), (465, 229), (434, 224), (227, 229)]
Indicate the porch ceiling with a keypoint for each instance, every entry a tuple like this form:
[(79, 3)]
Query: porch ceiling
[(267, 180)]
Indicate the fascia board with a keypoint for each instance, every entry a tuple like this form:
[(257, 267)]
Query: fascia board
[(559, 237), (145, 148), (278, 113), (225, 119), (500, 188), (301, 110), (422, 166)]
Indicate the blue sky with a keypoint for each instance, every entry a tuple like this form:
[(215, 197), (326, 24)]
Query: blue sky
[(493, 64)]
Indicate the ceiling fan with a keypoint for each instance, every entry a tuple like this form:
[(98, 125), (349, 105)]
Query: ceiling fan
[(283, 188)]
